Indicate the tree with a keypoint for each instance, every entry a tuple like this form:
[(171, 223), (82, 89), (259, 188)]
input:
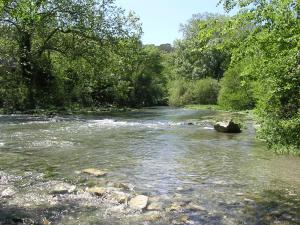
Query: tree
[(272, 47), (43, 27), (193, 59), (148, 80)]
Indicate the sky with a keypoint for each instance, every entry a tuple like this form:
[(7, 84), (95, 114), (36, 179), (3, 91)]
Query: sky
[(161, 18)]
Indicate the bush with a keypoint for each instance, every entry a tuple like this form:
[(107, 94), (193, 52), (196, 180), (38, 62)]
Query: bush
[(235, 93), (278, 108), (12, 93), (204, 91)]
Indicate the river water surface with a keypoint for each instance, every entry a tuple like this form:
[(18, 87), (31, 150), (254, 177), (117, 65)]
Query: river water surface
[(233, 177)]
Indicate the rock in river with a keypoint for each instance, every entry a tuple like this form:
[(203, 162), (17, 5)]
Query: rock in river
[(157, 206), (194, 207), (123, 186), (94, 172), (97, 190), (62, 188), (152, 216), (139, 202), (227, 127), (9, 192), (120, 197)]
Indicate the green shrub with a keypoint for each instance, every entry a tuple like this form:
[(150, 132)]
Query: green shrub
[(235, 93), (12, 93), (278, 108), (177, 89), (204, 91)]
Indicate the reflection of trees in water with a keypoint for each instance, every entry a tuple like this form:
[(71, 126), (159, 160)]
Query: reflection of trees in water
[(11, 215)]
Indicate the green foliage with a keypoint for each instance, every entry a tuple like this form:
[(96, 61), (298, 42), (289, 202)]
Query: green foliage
[(83, 53), (193, 58), (235, 93), (12, 92), (272, 49), (206, 91), (183, 92), (279, 106), (149, 82)]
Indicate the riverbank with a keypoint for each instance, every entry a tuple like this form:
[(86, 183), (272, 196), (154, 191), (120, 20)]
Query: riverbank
[(69, 110)]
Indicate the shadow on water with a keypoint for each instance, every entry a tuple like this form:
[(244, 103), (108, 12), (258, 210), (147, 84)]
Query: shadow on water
[(273, 207), (12, 215)]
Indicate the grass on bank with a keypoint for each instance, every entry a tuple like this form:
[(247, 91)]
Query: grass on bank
[(204, 107)]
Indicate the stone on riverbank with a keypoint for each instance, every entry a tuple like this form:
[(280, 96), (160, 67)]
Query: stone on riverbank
[(94, 172), (139, 202), (228, 127)]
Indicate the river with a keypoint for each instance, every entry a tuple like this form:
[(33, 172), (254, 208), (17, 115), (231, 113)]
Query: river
[(173, 155)]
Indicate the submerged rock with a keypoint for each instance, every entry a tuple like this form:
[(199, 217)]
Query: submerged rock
[(175, 206), (139, 202), (99, 191), (228, 127), (157, 206), (94, 172), (63, 188), (194, 207), (183, 219), (152, 216), (45, 221), (120, 197), (123, 186), (8, 192)]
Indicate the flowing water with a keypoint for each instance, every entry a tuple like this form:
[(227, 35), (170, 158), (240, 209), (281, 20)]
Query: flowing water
[(172, 154)]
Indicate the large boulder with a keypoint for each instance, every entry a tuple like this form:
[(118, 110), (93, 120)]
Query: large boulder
[(228, 127)]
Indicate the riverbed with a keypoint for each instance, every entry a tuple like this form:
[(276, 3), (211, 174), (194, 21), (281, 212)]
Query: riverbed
[(173, 156)]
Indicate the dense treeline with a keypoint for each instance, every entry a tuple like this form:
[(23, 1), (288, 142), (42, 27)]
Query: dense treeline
[(67, 53), (255, 56), (63, 53)]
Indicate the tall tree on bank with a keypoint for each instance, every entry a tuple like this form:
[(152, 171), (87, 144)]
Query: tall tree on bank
[(193, 60)]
